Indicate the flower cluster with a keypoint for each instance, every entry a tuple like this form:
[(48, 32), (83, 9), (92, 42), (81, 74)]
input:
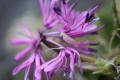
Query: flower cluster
[(72, 24)]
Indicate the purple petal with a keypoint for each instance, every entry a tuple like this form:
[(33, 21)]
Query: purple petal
[(27, 72), (43, 10), (53, 23), (80, 19), (23, 65), (65, 61), (41, 58), (94, 9), (59, 29), (74, 4), (28, 31), (49, 62), (87, 33), (72, 62), (37, 60), (54, 71), (18, 41), (59, 66), (54, 2), (90, 28), (47, 76), (84, 50), (38, 74), (54, 64), (80, 44), (23, 53), (79, 63), (78, 56)]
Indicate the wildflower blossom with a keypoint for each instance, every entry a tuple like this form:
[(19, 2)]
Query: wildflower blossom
[(32, 42), (73, 24), (76, 24), (35, 60), (49, 16), (61, 61)]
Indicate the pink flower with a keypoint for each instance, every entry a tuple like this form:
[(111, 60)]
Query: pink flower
[(31, 41), (73, 24), (49, 16), (60, 62), (36, 60), (76, 24)]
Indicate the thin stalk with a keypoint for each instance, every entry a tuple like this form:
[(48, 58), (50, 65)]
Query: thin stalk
[(116, 16), (116, 23)]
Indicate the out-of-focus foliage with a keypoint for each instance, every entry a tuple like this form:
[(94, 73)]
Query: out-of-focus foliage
[(105, 14)]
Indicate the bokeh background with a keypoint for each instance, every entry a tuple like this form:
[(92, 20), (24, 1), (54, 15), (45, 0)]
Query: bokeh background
[(13, 13)]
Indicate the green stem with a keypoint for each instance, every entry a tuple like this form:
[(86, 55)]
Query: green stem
[(116, 16)]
